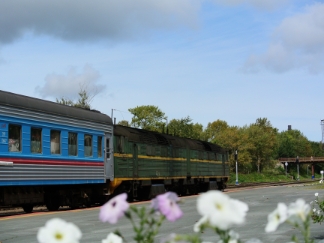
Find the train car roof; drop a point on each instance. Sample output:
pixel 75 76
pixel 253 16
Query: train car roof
pixel 44 106
pixel 149 137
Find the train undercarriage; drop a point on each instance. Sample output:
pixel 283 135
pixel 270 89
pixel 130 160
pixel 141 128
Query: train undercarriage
pixel 148 189
pixel 77 196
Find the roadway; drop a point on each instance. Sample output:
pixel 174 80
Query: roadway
pixel 23 228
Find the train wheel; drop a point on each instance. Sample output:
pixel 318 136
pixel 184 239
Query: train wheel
pixel 144 193
pixel 52 203
pixel 52 206
pixel 28 208
pixel 74 202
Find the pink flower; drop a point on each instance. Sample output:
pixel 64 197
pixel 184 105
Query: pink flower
pixel 167 204
pixel 114 209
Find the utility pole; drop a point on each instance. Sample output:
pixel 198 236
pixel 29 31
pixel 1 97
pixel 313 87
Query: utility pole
pixel 236 182
pixel 297 161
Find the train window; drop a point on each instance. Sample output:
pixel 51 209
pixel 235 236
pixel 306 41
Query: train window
pixel 99 141
pixel 73 144
pixel 87 145
pixel 36 140
pixel 55 142
pixel 107 148
pixel 14 138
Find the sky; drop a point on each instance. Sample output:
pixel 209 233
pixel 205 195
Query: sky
pixel 232 60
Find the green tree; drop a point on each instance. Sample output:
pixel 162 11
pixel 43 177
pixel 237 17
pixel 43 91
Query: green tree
pixel 293 143
pixel 236 138
pixel 197 131
pixel 185 128
pixel 214 130
pixel 148 117
pixel 84 99
pixel 317 149
pixel 263 140
pixel 124 123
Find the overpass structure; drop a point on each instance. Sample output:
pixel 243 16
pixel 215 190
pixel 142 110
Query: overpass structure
pixel 303 160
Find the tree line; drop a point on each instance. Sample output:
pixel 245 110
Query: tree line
pixel 259 144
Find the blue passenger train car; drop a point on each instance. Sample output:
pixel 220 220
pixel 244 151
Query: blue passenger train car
pixel 52 154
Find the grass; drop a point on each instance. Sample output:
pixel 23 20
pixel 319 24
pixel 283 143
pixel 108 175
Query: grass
pixel 269 176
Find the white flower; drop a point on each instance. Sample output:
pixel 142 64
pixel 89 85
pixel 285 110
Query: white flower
pixel 321 181
pixel 218 210
pixel 277 217
pixel 240 209
pixel 112 238
pixel 202 220
pixel 314 210
pixel 316 194
pixel 298 209
pixel 59 231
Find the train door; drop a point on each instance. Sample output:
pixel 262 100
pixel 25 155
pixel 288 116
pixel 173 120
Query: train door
pixel 135 160
pixel 109 157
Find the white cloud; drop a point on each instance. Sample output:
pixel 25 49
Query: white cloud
pixel 261 4
pixel 82 20
pixel 304 31
pixel 298 42
pixel 67 86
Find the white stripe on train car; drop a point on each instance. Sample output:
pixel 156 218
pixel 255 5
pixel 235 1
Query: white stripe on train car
pixel 6 163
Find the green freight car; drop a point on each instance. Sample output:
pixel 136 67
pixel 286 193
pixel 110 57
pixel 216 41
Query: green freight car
pixel 148 163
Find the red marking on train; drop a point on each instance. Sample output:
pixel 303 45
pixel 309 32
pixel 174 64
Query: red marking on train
pixel 52 162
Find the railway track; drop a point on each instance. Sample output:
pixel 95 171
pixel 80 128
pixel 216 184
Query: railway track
pixel 5 212
pixel 267 184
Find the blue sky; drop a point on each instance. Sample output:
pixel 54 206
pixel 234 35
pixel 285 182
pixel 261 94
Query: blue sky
pixel 233 60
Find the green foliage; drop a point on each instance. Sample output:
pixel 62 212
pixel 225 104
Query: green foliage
pixel 124 123
pixel 263 140
pixel 318 210
pixel 293 143
pixel 64 101
pixel 257 144
pixel 214 130
pixel 83 100
pixel 185 128
pixel 317 149
pixel 259 177
pixel 149 223
pixel 148 117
